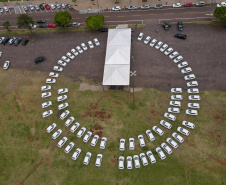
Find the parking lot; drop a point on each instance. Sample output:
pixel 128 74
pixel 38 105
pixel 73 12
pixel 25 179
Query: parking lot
pixel 154 69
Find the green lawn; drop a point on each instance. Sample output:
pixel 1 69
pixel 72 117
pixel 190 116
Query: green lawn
pixel 28 155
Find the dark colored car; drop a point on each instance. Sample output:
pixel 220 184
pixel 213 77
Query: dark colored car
pixel 40 59
pixel 42 25
pixel 158 6
pixel 188 4
pixel 103 30
pixel 180 36
pixel 180 26
pixel 17 41
pixel 25 41
pixel 41 7
pixel 4 42
pixel 69 6
pixel 166 26
pixel 41 21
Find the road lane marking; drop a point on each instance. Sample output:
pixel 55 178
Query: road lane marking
pixel 136 15
pixel 168 13
pixel 152 14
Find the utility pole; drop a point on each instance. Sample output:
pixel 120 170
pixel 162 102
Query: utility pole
pixel 133 74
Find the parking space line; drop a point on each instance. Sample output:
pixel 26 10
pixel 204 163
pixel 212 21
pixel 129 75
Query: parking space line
pixel 152 14
pixel 168 13
pixel 120 16
pixel 136 15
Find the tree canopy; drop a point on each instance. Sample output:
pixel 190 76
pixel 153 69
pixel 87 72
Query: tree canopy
pixel 62 19
pixel 220 13
pixel 25 21
pixel 95 21
pixel 6 25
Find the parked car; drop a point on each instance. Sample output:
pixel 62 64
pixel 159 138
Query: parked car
pixel 122 144
pixel 69 121
pixel 87 158
pixel 180 26
pixel 143 159
pixel 79 49
pixel 55 75
pixel 182 64
pixel 57 68
pixel 165 124
pixel 69 55
pixel 180 36
pixel 51 25
pixel 166 26
pixel 74 52
pixel 136 161
pixel 64 114
pixel 144 7
pixel 176 90
pixel 160 153
pixel 188 4
pixel 121 163
pixel 194 97
pixel 40 59
pixel 172 142
pixel 17 41
pixel 200 3
pixel 42 25
pixel 168 51
pixel 183 131
pixel 177 5
pixel 63 5
pixel 94 140
pixel 131 144
pixel 5 41
pixel 148 38
pixel 0 54
pixel 47 7
pixel 1 39
pixel 150 135
pixel 221 4
pixel 157 130
pixel 76 154
pixel 188 124
pixel 173 55
pixel 151 157
pixel 61 98
pixel 103 30
pixel 178 137
pixel 69 147
pixel 52 6
pixel 46 94
pixel 60 62
pixel 87 136
pixel 166 148
pixel 57 134
pixel 25 41
pixel 84 47
pixel 141 140
pixel 46 104
pixel 81 132
pixel 37 7
pixel 62 91
pixel 170 116
pixel 74 127
pixel 103 142
pixel 158 6
pixel 176 97
pixel 41 7
pixel 76 24
pixel 50 81
pixel 175 103
pixel 63 106
pixel 11 41
pixel 153 42
pixel 192 112
pixel 91 46
pixel 25 8
pixel 178 59
pixel 158 45
pixel 96 42
pixel 31 7
pixel 193 91
pixel 51 128
pixel 6 65
pixel 129 161
pixel 99 160
pixel 69 6
pixel 132 7
pixel 164 47
pixel 174 110
pixel 189 77
pixel 140 36
pixel 45 87
pixel 116 8
pixel 47 113
pixel 186 70
pixel 192 84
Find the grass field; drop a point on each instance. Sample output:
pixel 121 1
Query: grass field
pixel 28 155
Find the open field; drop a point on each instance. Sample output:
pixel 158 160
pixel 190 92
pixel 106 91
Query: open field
pixel 29 156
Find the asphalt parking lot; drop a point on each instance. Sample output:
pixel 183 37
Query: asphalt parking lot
pixel 204 50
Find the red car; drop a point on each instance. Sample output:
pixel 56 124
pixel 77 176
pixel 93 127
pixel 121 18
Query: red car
pixel 188 4
pixel 47 7
pixel 51 25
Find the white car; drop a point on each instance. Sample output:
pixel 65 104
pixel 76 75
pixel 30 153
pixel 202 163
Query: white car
pixel 131 144
pixel 174 110
pixel 132 7
pixel 94 140
pixel 151 157
pixel 79 49
pixel 74 127
pixel 157 130
pixel 66 59
pixel 158 45
pixel 1 39
pixel 188 124
pixel 170 116
pixel 45 87
pixel 69 121
pixel 74 52
pixel 61 98
pixel 136 161
pixel 166 148
pixel 148 38
pixel 165 124
pixel 160 153
pixel 178 137
pixel 176 97
pixel 57 68
pixel 51 127
pixel 176 90
pixel 193 91
pixel 183 131
pixel 182 64
pixel 186 70
pixel 178 59
pixel 63 5
pixel 194 105
pixel 177 5
pixel 57 134
pixel 46 94
pixel 140 36
pixel 122 144
pixel 141 140
pixel 144 7
pixel 164 47
pixel 84 47
pixel 6 64
pixel 221 4
pixel 63 106
pixel 87 158
pixel 171 142
pixel 50 81
pixel 189 77
pixel 54 75
pixel 175 103
pixel 62 91
pixel 143 159
pixel 168 51
pixel 46 104
pixel 153 42
pixel 192 84
pixel 96 42
pixel 90 44
pixel 129 161
pixel 76 154
pixel 64 114
pixel 121 163
pixel 69 147
pixel 87 136
pixel 69 55
pixel 173 55
pixel 116 8
pixel 1 51
pixel 52 6
pixel 192 112
pixel 6 8
pixel 47 113
pixel 194 97
pixel 81 132
pixel 99 160
pixel 150 135
pixel 62 63
pixel 103 142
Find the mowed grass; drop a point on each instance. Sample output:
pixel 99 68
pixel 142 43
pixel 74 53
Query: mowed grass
pixel 28 154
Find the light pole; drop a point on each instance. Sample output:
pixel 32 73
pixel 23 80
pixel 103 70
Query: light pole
pixel 133 74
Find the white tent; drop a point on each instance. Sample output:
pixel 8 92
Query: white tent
pixel 117 59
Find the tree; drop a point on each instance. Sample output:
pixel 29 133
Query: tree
pixel 62 19
pixel 6 25
pixel 220 13
pixel 25 21
pixel 95 21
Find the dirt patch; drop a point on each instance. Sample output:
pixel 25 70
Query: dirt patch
pixel 97 130
pixel 217 160
pixel 114 159
pixel 85 87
